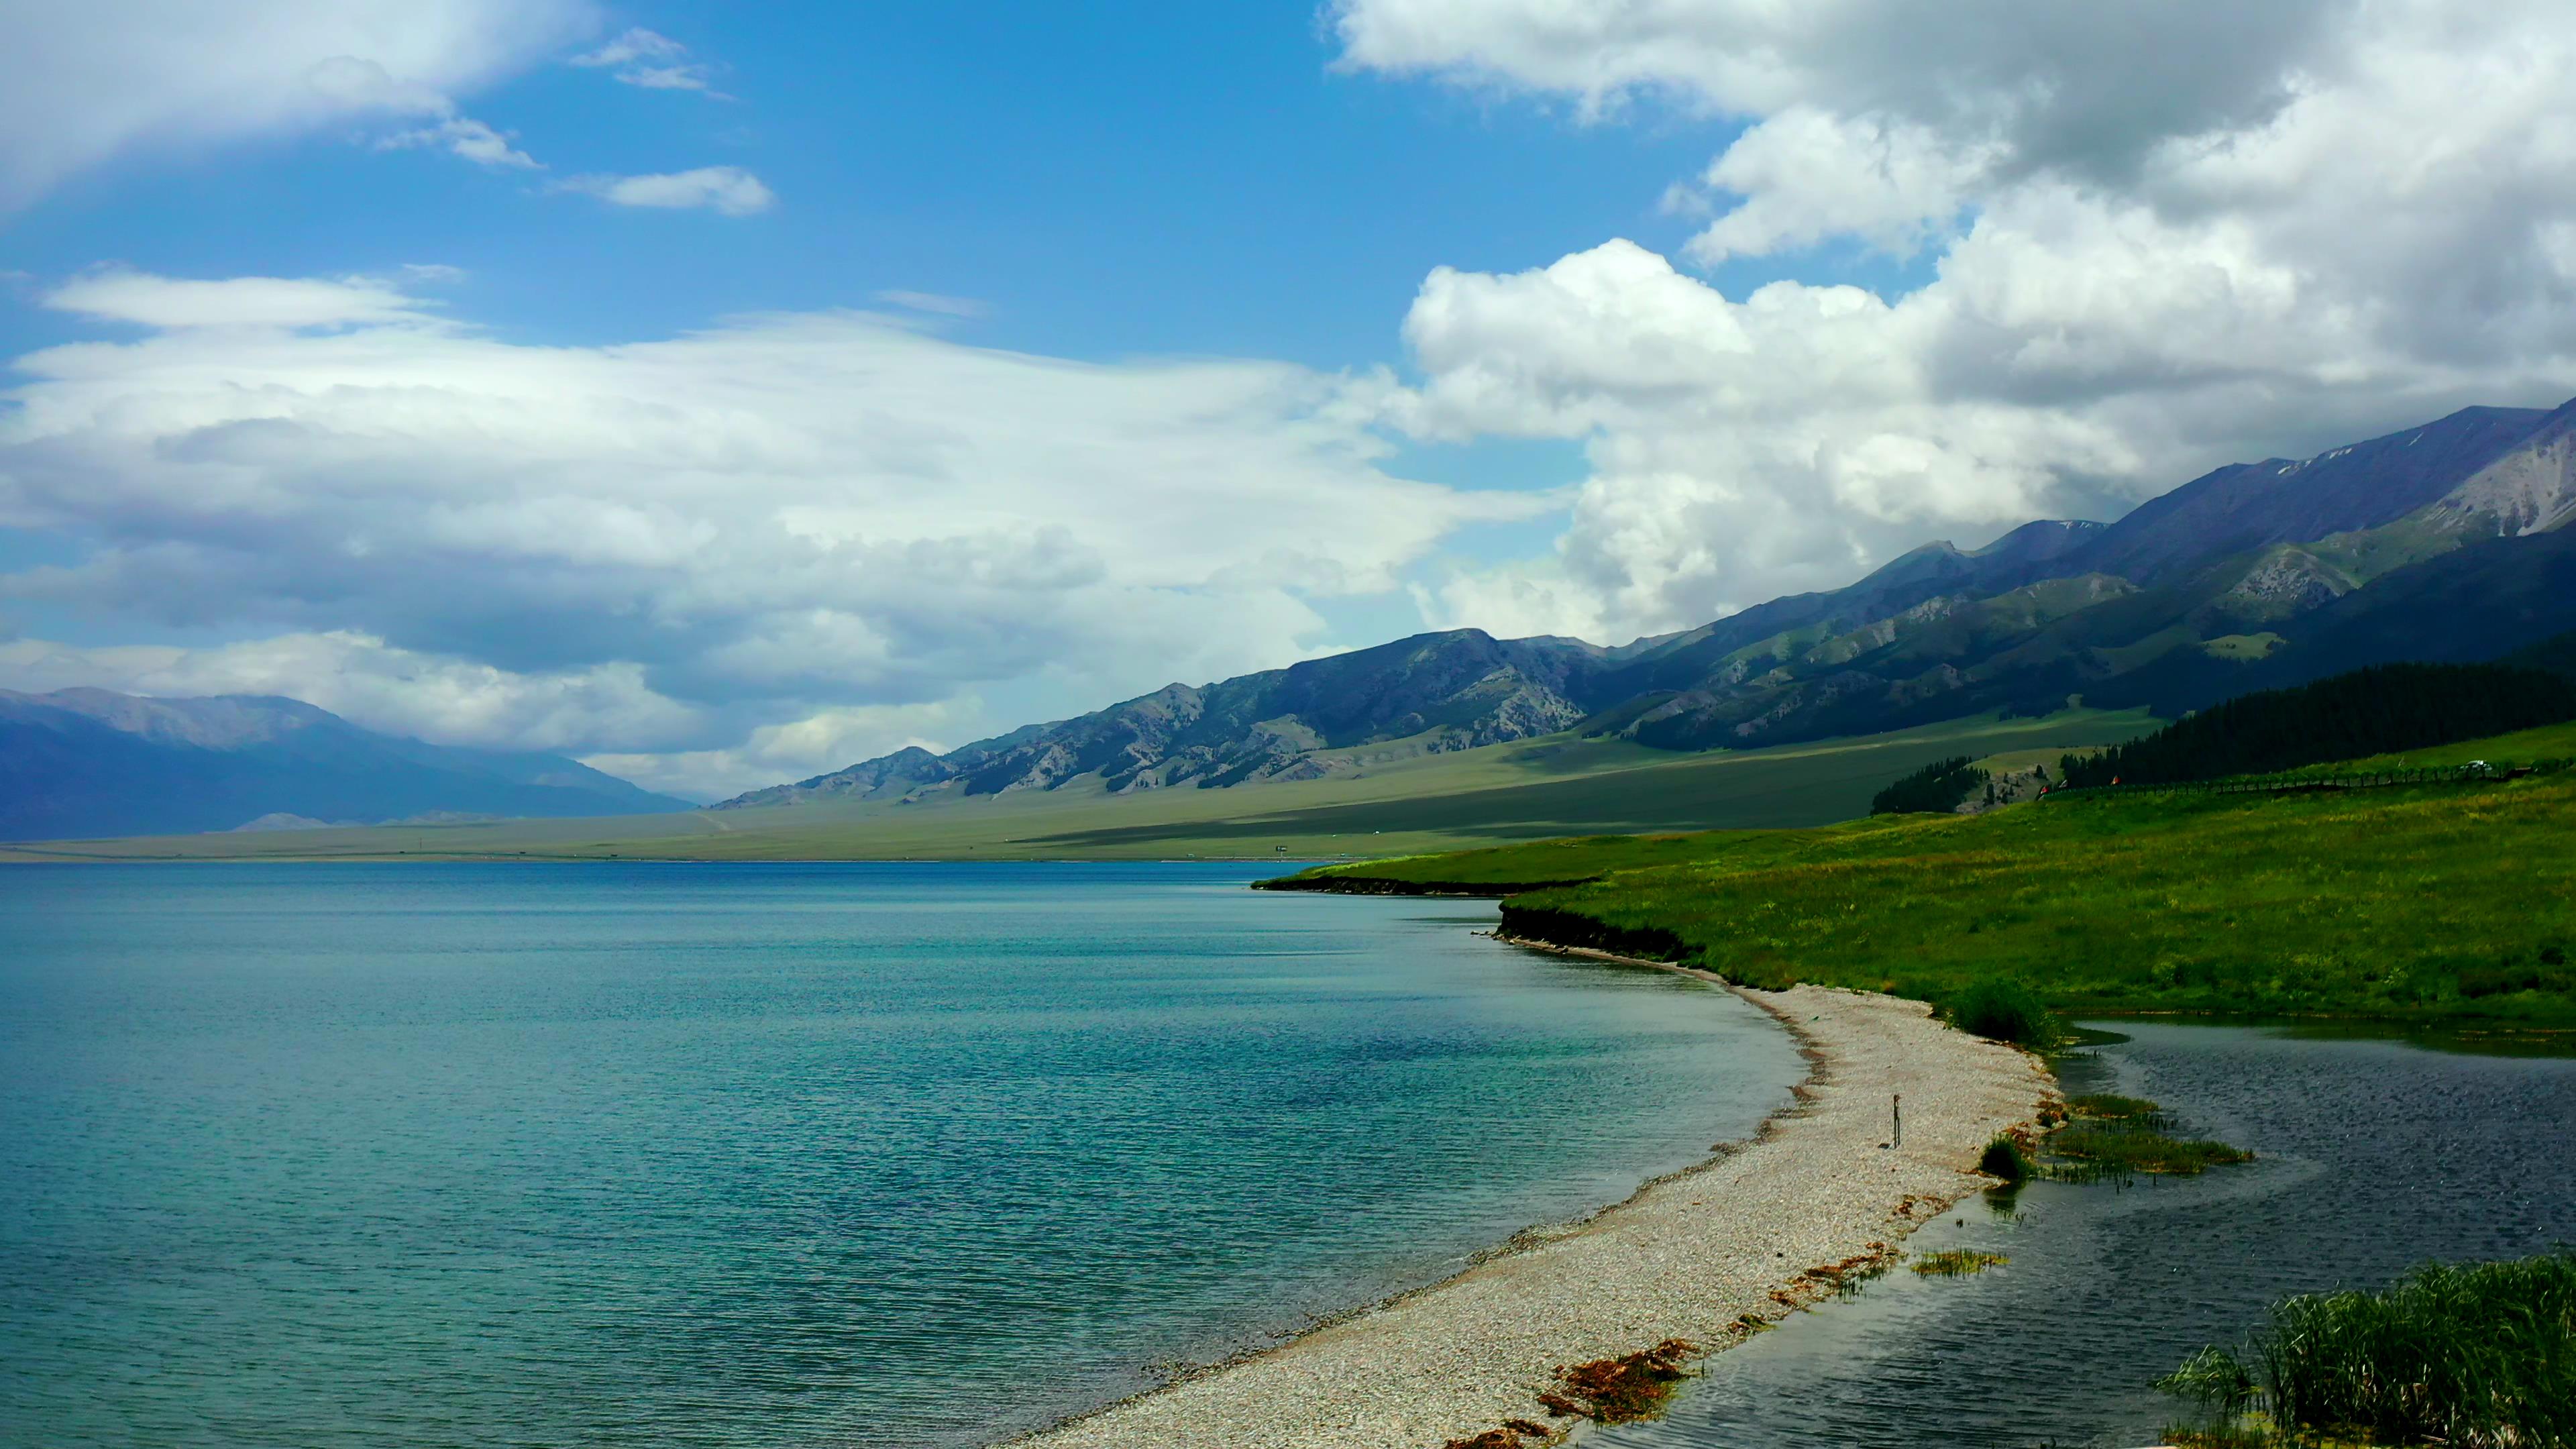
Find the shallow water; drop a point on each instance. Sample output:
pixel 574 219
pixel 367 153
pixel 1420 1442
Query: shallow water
pixel 2374 1156
pixel 767 1155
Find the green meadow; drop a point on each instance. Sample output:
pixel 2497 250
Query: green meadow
pixel 2441 903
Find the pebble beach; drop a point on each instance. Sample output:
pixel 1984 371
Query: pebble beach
pixel 1696 1256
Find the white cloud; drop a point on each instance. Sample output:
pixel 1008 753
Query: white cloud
pixel 945 306
pixel 727 189
pixel 1803 176
pixel 800 749
pixel 632 46
pixel 464 137
pixel 443 699
pixel 652 61
pixel 663 547
pixel 2161 238
pixel 120 294
pixel 81 85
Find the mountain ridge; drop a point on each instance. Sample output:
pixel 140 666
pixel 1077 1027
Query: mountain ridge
pixel 90 763
pixel 2250 576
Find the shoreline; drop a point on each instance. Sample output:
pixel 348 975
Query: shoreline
pixel 1745 1237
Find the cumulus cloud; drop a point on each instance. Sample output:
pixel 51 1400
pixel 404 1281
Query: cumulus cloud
pixel 663 547
pixel 2160 237
pixel 727 189
pixel 81 85
pixel 1804 175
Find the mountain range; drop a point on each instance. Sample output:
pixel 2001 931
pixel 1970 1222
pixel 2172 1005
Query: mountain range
pixel 2450 541
pixel 91 763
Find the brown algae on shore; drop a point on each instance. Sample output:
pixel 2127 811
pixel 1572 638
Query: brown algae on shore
pixel 1515 1434
pixel 1624 1389
pixel 1846 1277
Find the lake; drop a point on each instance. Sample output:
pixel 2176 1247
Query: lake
pixel 2373 1156
pixel 731 1155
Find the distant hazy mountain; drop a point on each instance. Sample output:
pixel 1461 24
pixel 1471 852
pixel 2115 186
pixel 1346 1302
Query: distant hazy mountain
pixel 85 763
pixel 2449 541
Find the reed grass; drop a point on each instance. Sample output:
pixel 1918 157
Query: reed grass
pixel 2481 1356
pixel 1957 1263
pixel 2098 1153
pixel 2111 1107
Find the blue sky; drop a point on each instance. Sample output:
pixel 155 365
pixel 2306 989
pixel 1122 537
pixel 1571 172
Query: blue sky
pixel 1105 179
pixel 724 393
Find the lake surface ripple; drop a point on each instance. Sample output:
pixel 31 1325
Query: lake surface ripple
pixel 767 1155
pixel 2374 1156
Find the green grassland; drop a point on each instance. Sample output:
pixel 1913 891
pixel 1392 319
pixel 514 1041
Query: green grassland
pixel 2439 903
pixel 2549 742
pixel 1398 801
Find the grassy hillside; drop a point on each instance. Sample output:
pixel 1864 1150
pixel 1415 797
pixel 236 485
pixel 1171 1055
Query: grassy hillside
pixel 2369 711
pixel 1399 803
pixel 2437 903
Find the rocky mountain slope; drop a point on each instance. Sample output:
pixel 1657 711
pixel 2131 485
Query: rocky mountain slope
pixel 86 763
pixel 2448 541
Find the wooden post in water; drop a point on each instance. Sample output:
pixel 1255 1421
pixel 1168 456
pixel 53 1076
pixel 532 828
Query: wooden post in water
pixel 1896 1112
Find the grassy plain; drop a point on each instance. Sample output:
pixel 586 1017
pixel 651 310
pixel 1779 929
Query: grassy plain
pixel 2441 903
pixel 1396 803
pixel 2549 742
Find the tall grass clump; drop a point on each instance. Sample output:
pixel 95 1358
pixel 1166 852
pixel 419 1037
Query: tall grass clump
pixel 2117 1152
pixel 2003 1011
pixel 2481 1356
pixel 1957 1263
pixel 2004 1158
pixel 2111 1107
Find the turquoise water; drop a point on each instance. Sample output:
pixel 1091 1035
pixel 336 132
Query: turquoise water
pixel 767 1155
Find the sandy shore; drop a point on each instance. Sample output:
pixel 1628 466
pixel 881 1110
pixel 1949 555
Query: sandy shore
pixel 1687 1257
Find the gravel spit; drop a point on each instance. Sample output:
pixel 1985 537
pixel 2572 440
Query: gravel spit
pixel 1690 1256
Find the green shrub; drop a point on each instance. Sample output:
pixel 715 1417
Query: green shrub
pixel 1936 789
pixel 2476 981
pixel 2003 1011
pixel 2004 1158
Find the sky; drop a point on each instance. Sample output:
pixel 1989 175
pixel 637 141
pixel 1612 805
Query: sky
pixel 726 394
